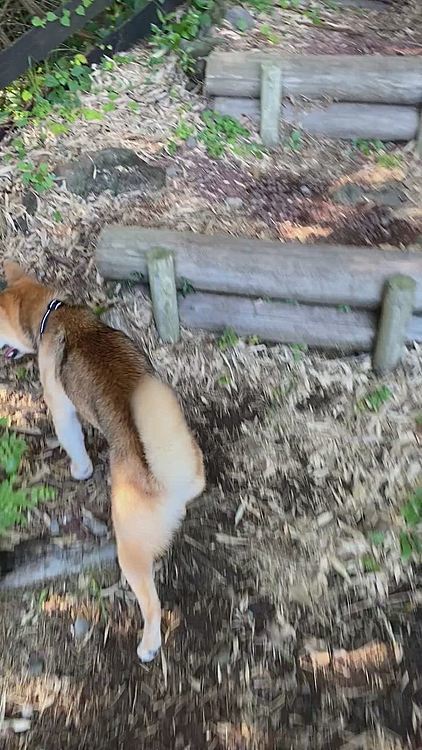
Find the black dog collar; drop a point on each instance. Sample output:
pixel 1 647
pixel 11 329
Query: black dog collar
pixel 53 305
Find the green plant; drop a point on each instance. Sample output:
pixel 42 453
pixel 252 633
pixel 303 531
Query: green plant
pixel 224 380
pixel 228 339
pixel 262 6
pixel 12 449
pixel 181 133
pixel 220 132
pixel 369 147
pixel 289 4
pixel 377 538
pixel 39 178
pixel 377 398
pixel 176 31
pixel 313 14
pixel 45 90
pixel 410 541
pixel 389 161
pixel 15 500
pixel 186 287
pixel 298 350
pixel 269 34
pixel 295 140
pixel 21 373
pixel 370 564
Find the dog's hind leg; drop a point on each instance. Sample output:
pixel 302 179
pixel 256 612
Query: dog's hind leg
pixel 137 567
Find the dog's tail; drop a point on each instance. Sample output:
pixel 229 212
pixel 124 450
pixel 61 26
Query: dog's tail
pixel 172 454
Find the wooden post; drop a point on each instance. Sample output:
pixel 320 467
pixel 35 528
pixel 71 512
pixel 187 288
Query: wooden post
pixel 163 294
pixel 271 95
pixel 397 308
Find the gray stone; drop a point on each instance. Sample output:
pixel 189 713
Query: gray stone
pixel 240 18
pixel 305 191
pixel 94 525
pixel 173 171
pixel 235 203
pixel 191 142
pixel 198 48
pixel 54 527
pixel 390 194
pixel 30 201
pixel 80 628
pixel 36 664
pixel 119 170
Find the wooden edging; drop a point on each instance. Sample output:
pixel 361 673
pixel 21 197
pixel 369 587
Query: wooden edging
pixel 315 326
pixel 312 274
pixel 38 43
pixel 271 97
pixel 352 78
pixel 385 122
pixel 59 562
pixel 396 313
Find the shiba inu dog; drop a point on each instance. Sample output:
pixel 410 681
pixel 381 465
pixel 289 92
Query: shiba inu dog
pixel 89 369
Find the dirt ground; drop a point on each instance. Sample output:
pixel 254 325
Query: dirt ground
pixel 290 620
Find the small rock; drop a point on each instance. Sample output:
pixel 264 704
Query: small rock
pixel 36 664
pixel 173 171
pixel 27 711
pixel 191 142
pixel 299 594
pixel 119 170
pixel 305 191
pixel 18 726
pixel 240 18
pixel 54 526
pixel 80 628
pixel 198 48
pixel 235 203
pixel 94 525
pixel 51 442
pixel 389 194
pixel 30 201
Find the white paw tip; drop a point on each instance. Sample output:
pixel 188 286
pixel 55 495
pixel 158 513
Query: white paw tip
pixel 81 474
pixel 147 655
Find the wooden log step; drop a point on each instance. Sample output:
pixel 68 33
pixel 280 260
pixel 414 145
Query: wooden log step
pixel 315 326
pixel 385 122
pixel 319 274
pixel 351 78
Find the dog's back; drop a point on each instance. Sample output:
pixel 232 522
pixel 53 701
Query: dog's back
pixel 113 386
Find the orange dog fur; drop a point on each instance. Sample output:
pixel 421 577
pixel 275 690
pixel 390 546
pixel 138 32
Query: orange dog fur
pixel 90 369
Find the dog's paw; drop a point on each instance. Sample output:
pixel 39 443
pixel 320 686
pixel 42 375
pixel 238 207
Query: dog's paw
pixel 149 647
pixel 81 472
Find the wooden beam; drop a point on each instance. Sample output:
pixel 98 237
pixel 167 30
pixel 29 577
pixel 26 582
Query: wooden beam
pixel 385 122
pixel 163 294
pixel 396 312
pixel 58 562
pixel 320 274
pixel 353 78
pixel 271 96
pixel 37 43
pixel 135 28
pixel 316 326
